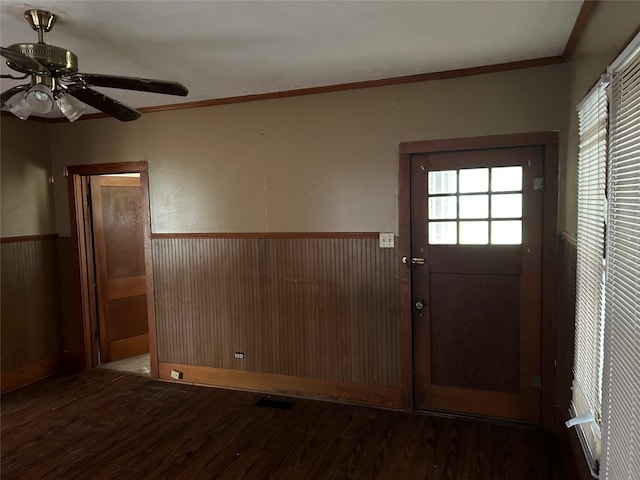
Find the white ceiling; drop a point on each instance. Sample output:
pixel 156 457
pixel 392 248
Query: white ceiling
pixel 230 48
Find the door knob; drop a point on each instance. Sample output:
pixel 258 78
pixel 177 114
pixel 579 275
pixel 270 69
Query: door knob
pixel 420 304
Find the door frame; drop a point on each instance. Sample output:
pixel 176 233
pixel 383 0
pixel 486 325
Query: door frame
pixel 82 257
pixel 550 241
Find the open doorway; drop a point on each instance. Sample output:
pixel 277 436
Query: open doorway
pixel 111 225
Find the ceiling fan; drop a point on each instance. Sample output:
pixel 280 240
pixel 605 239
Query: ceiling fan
pixel 55 80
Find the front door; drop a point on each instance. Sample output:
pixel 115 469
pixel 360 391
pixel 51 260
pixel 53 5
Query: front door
pixel 118 235
pixel 476 222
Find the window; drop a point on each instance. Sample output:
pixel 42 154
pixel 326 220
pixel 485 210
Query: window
pixel 475 206
pixel 587 369
pixel 621 382
pixel 606 389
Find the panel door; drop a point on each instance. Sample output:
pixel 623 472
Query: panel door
pixel 118 234
pixel 476 221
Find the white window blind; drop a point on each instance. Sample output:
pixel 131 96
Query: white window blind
pixel 587 385
pixel 621 399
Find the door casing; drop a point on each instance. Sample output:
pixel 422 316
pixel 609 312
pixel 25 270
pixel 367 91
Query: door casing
pixel 547 140
pixel 82 255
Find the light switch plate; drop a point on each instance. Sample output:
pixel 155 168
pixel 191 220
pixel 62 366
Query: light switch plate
pixel 176 375
pixel 386 240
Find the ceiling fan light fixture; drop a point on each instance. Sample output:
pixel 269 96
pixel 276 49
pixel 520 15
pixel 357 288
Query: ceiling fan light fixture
pixel 19 106
pixel 39 98
pixel 54 73
pixel 69 106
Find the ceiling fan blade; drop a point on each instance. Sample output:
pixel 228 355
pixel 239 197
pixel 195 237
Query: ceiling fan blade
pixel 132 83
pixel 105 104
pixel 7 94
pixel 23 62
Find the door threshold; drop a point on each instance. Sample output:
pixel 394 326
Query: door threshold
pixel 475 418
pixel 138 365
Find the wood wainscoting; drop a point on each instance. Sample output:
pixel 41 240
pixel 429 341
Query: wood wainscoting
pixel 31 342
pixel 73 358
pixel 30 373
pixel 316 311
pixel 339 392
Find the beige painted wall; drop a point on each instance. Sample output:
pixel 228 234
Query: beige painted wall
pixel 320 163
pixel 25 166
pixel 611 25
pixel 325 162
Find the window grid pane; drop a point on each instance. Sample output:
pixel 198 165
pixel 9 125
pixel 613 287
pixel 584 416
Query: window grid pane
pixel 442 182
pixel 473 180
pixel 474 232
pixel 474 206
pixel 443 208
pixel 470 203
pixel 506 179
pixel 506 205
pixel 507 232
pixel 443 233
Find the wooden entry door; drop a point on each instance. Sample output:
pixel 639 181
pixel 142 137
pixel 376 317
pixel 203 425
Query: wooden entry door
pixel 476 220
pixel 118 233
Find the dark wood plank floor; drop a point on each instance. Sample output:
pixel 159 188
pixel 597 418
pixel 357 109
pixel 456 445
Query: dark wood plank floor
pixel 106 425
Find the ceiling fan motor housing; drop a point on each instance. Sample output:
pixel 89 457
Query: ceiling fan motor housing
pixel 58 60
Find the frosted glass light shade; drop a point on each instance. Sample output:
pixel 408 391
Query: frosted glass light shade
pixel 39 98
pixel 70 107
pixel 18 106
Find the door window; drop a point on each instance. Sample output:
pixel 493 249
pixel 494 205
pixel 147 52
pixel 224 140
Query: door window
pixel 475 206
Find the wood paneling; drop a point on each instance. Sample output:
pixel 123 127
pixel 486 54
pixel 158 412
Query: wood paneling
pixel 129 427
pixel 69 304
pixel 475 337
pixel 283 235
pixel 28 238
pixel 30 373
pixel 29 311
pixel 286 385
pixel 315 308
pixel 130 347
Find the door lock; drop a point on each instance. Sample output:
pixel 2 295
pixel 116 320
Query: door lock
pixel 413 261
pixel 420 306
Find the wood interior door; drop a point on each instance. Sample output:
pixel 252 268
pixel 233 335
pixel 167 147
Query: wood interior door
pixel 118 234
pixel 476 220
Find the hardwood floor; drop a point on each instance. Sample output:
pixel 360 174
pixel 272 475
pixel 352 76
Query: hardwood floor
pixel 107 425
